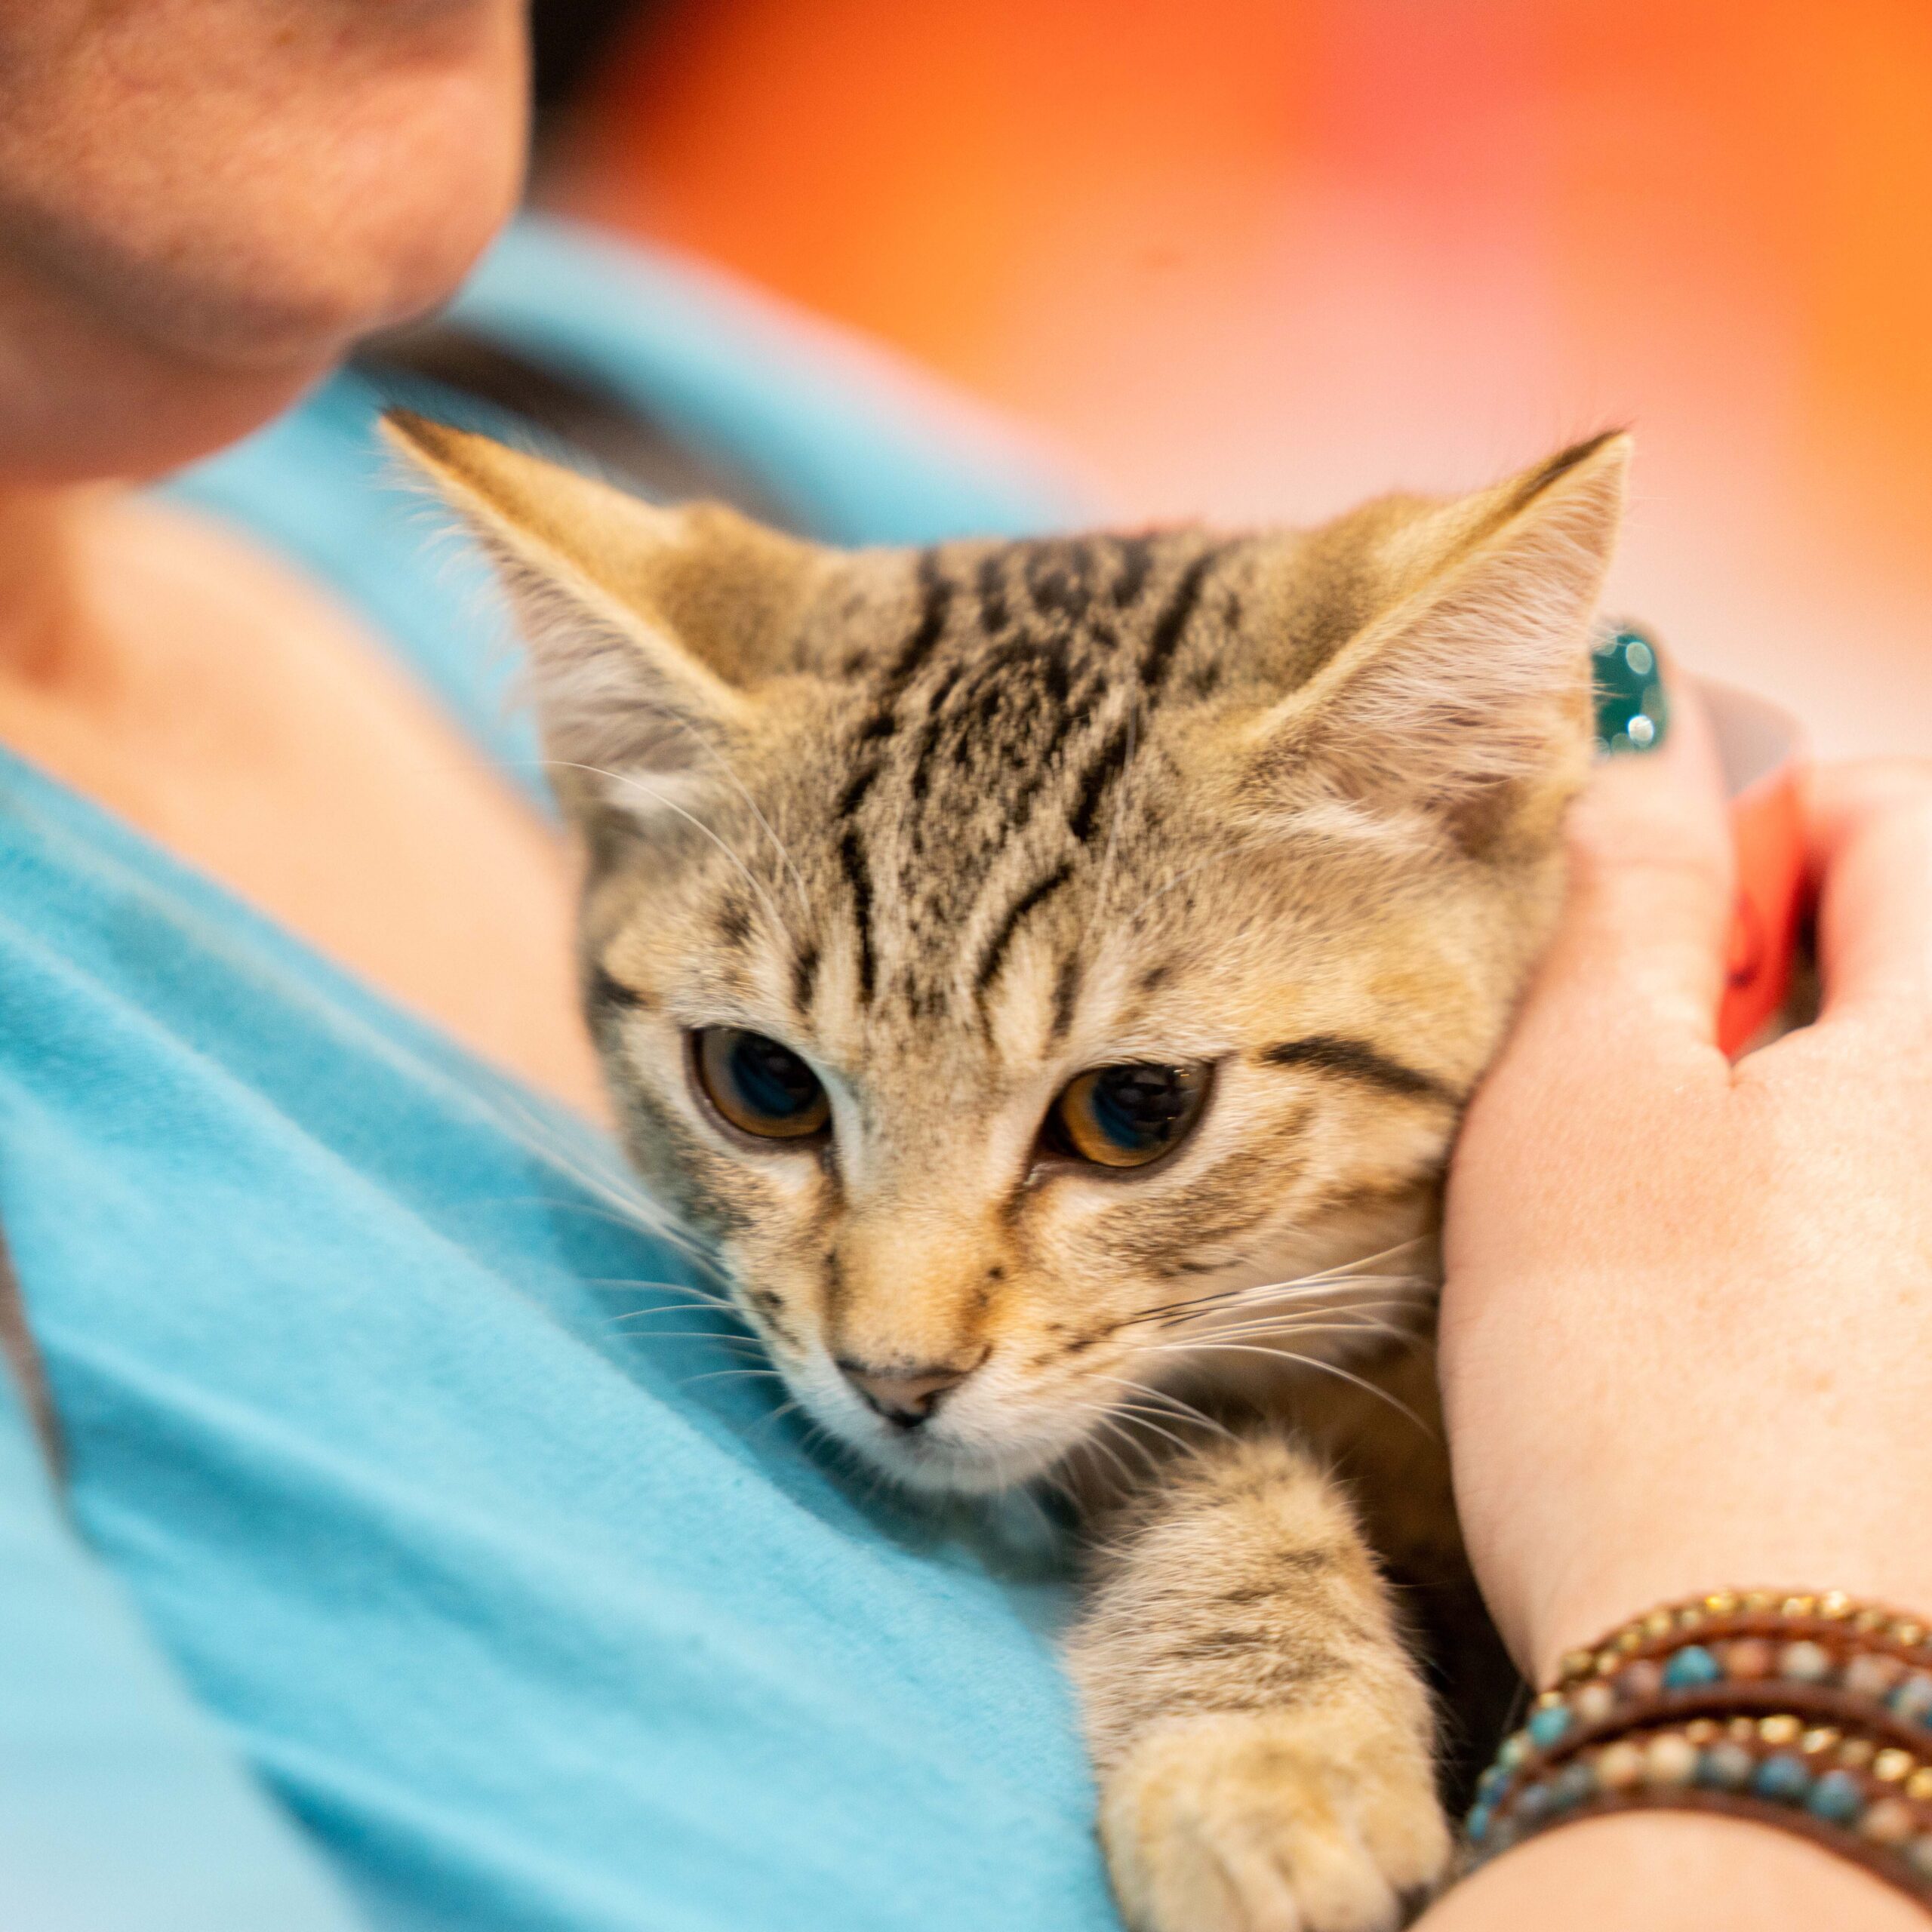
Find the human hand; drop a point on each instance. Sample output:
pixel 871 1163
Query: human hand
pixel 1686 1329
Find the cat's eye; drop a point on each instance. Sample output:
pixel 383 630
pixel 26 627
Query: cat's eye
pixel 759 1086
pixel 1126 1116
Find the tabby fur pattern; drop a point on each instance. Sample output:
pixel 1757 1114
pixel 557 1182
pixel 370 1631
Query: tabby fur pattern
pixel 955 824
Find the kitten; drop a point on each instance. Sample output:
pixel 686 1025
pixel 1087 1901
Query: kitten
pixel 1048 975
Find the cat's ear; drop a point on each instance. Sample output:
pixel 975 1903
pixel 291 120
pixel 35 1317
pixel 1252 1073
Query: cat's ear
pixel 1469 686
pixel 649 629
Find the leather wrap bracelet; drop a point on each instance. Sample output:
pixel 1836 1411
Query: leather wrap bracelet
pixel 1809 1712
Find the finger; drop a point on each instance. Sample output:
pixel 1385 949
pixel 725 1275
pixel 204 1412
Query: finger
pixel 1638 959
pixel 1869 825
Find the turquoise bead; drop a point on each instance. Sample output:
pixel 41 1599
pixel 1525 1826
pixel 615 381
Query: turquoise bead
pixel 1477 1823
pixel 1575 1784
pixel 1492 1785
pixel 1632 713
pixel 1783 1778
pixel 1548 1726
pixel 1836 1798
pixel 1690 1669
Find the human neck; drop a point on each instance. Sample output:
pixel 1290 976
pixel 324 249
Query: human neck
pixel 47 642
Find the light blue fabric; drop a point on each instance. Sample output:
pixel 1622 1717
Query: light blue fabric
pixel 526 1615
pixel 861 450
pixel 120 1804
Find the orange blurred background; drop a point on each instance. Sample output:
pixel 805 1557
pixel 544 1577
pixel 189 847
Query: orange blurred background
pixel 1258 258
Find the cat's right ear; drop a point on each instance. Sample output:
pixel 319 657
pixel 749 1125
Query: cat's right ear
pixel 1464 697
pixel 649 629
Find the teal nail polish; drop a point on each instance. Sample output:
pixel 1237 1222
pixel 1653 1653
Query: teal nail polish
pixel 1632 712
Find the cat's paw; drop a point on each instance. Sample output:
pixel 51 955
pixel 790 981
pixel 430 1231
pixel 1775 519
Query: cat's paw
pixel 1252 1822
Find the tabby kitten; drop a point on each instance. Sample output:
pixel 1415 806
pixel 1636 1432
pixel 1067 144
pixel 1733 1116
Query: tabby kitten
pixel 1048 975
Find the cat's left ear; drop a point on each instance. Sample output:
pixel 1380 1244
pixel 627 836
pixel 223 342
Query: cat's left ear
pixel 1470 685
pixel 650 630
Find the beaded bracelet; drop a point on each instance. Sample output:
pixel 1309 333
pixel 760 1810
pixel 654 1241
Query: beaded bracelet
pixel 1814 1712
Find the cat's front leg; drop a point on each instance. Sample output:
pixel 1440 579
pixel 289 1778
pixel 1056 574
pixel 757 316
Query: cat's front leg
pixel 1263 1742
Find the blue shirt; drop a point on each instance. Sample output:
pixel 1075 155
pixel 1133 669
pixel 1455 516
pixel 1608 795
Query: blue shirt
pixel 426 1561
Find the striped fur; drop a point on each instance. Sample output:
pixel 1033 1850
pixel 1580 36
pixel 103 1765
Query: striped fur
pixel 957 824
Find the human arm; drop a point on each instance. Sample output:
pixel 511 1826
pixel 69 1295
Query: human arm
pixel 1687 1329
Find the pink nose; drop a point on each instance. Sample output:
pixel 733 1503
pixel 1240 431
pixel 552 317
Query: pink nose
pixel 904 1397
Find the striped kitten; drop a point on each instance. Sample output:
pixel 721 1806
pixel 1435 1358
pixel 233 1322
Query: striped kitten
pixel 1048 976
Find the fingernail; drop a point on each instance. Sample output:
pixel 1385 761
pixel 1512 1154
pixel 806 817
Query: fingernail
pixel 1632 712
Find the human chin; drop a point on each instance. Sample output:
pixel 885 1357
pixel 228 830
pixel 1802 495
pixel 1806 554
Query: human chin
pixel 281 181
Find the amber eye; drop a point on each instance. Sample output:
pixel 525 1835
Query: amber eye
pixel 760 1087
pixel 1126 1116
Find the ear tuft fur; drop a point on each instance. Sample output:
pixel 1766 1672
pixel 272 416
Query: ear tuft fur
pixel 648 628
pixel 1475 678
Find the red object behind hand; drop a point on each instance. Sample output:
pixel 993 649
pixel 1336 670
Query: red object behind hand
pixel 1759 748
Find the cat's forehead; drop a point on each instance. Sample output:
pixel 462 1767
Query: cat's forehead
pixel 968 777
pixel 889 617
pixel 1152 604
pixel 981 671
pixel 983 694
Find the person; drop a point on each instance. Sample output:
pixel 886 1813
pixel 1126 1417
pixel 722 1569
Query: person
pixel 386 1581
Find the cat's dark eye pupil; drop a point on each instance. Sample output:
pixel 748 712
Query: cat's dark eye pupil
pixel 772 1078
pixel 1138 1106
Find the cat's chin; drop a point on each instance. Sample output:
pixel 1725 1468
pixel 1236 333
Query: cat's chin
pixel 936 1465
pixel 940 1469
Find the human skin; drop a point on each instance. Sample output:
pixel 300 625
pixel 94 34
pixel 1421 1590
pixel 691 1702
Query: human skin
pixel 1686 1329
pixel 202 203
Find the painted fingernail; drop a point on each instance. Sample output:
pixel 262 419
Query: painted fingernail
pixel 1632 712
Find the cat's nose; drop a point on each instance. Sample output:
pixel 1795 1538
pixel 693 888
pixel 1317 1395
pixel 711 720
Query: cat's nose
pixel 905 1397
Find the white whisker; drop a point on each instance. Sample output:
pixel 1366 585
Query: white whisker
pixel 1145 1418
pixel 614 1196
pixel 1335 1297
pixel 1186 1410
pixel 1215 1321
pixel 1272 1294
pixel 1305 1361
pixel 744 1343
pixel 1105 1425
pixel 1342 1270
pixel 689 1299
pixel 1368 1329
pixel 784 1409
pixel 730 770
